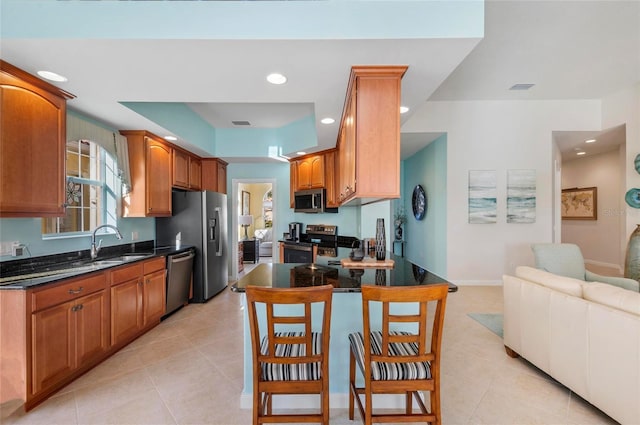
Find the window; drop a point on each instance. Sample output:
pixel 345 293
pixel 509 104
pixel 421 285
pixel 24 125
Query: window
pixel 91 188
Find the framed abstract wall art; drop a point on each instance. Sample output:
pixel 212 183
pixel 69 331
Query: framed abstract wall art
pixel 482 196
pixel 521 196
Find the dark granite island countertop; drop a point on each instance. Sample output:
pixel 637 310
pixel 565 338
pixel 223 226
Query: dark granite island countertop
pixel 327 270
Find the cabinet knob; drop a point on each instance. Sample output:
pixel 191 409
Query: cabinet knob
pixel 75 291
pixel 77 307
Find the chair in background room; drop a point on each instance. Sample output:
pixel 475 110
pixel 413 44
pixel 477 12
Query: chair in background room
pixel 288 360
pixel 395 361
pixel 266 241
pixel 565 259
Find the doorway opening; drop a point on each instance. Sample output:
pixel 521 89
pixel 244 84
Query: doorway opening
pixel 254 217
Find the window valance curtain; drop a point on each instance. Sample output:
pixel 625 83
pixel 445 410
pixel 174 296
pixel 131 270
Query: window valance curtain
pixel 80 128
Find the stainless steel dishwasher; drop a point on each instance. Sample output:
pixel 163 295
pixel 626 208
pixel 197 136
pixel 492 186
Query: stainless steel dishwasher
pixel 179 271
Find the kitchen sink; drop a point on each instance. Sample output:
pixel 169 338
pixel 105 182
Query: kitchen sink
pixel 132 256
pixel 111 262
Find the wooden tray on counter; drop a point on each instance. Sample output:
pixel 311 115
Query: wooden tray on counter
pixel 347 263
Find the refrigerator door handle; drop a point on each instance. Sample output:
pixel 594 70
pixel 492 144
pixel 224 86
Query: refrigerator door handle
pixel 215 231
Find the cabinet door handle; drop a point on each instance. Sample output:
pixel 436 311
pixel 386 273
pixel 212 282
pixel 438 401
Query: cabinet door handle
pixel 75 291
pixel 77 307
pixel 148 280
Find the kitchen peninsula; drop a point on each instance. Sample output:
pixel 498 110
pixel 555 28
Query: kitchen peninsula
pixel 346 309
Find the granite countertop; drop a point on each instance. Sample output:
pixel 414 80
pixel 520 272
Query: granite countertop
pixel 328 270
pixel 37 271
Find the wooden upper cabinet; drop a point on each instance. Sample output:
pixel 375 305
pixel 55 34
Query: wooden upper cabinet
pixel 187 170
pixel 32 145
pixel 214 175
pixel 150 162
pixel 369 142
pixel 293 183
pixel 310 172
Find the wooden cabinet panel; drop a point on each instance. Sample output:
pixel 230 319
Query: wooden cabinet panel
pixel 293 183
pixel 126 311
pixel 32 145
pixel 180 169
pixel 158 179
pixel 69 290
pixel 154 298
pixel 150 163
pixel 195 174
pixel 53 345
pixel 330 179
pixel 92 327
pixel 310 172
pixel 214 175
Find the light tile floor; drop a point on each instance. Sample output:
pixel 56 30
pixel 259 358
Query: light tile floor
pixel 188 370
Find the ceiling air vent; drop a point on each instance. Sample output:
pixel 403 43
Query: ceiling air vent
pixel 240 122
pixel 521 86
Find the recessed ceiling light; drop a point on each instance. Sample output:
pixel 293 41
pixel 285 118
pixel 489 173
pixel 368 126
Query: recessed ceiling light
pixel 590 141
pixel 52 76
pixel 327 120
pixel 404 109
pixel 300 153
pixel 171 138
pixel 276 78
pixel 581 153
pixel 521 86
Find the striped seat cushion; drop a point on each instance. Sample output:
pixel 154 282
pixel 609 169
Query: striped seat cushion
pixel 292 372
pixel 387 371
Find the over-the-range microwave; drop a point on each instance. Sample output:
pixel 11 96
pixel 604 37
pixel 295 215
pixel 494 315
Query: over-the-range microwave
pixel 311 201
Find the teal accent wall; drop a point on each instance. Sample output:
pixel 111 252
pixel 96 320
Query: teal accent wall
pixel 426 240
pixel 179 119
pixel 243 20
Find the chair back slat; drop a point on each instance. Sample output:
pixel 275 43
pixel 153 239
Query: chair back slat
pixel 421 295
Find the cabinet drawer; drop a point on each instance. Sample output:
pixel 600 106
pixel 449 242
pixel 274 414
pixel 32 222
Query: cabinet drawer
pixel 67 291
pixel 126 273
pixel 154 265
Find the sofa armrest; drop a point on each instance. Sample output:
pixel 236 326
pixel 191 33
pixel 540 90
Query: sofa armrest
pixel 621 282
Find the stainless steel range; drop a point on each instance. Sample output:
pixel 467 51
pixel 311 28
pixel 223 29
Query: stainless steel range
pixel 326 236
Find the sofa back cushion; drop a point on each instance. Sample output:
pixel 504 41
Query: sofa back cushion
pixel 613 296
pixel 563 284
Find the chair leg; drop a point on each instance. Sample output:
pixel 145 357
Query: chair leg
pixel 352 382
pixel 257 405
pixel 325 401
pixel 435 404
pixel 409 402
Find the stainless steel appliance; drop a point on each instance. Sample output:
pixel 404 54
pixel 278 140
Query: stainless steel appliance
pixel 311 201
pixel 179 271
pixel 295 231
pixel 325 236
pixel 199 219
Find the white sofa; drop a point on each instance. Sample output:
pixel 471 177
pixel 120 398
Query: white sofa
pixel 266 241
pixel 586 335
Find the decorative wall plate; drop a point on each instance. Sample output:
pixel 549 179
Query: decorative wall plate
pixel 633 198
pixel 419 202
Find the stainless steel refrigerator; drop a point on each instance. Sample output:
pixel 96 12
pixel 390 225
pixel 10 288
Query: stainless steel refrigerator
pixel 199 219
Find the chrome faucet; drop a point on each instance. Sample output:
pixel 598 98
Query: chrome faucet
pixel 96 248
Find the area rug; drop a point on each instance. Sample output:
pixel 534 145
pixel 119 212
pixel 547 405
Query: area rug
pixel 491 321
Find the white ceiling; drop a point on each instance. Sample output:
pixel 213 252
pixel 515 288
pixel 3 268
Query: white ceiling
pixel 568 49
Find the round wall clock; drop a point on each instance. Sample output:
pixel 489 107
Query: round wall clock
pixel 419 202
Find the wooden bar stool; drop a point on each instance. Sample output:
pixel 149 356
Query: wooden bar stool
pixel 289 360
pixel 397 361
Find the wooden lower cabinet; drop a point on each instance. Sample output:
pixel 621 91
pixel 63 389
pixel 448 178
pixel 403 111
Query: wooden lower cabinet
pixel 52 334
pixel 66 337
pixel 138 299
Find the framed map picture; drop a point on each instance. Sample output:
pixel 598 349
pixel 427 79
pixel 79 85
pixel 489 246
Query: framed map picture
pixel 580 203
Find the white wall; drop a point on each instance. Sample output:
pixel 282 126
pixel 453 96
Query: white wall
pixel 498 135
pixel 623 107
pixel 599 240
